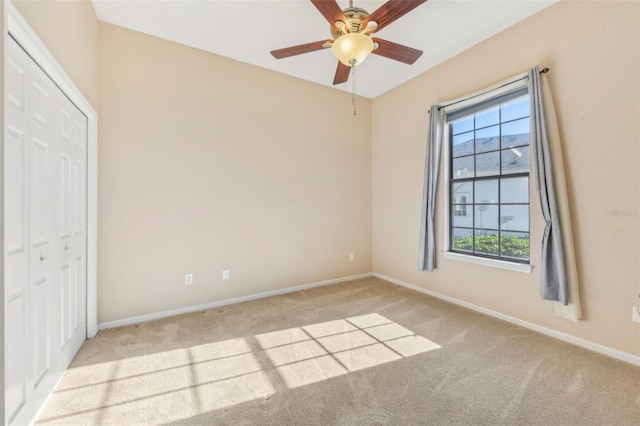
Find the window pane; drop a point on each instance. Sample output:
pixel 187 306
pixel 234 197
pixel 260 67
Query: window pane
pixel 488 164
pixel 514 190
pixel 487 242
pixel 462 239
pixel 463 144
pixel 517 108
pixel 488 117
pixel 487 191
pixel 462 167
pixel 462 125
pixel 515 133
pixel 515 160
pixel 462 193
pixel 488 139
pixel 462 215
pixel 515 245
pixel 514 217
pixel 486 216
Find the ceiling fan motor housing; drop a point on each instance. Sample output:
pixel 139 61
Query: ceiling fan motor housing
pixel 355 15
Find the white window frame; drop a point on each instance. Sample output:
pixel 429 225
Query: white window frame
pixel 453 106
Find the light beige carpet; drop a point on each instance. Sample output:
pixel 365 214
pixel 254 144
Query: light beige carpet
pixel 357 353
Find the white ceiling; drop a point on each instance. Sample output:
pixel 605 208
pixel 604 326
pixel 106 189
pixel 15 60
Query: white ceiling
pixel 247 30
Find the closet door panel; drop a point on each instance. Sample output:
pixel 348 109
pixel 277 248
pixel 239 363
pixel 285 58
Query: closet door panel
pixel 64 136
pixel 80 329
pixel 17 195
pixel 41 336
pixel 44 177
pixel 16 283
pixel 79 206
pixel 72 237
pixel 41 103
pixel 16 357
pixel 45 219
pixel 40 194
pixel 16 151
pixel 17 271
pixel 65 301
pixel 65 196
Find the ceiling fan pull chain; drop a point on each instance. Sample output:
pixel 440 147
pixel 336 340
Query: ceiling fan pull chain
pixel 353 84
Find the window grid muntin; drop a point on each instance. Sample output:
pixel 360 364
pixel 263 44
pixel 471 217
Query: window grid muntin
pixel 499 177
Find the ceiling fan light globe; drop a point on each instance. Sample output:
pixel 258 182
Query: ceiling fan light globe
pixel 352 47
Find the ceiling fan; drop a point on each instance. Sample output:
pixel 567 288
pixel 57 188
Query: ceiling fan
pixel 351 29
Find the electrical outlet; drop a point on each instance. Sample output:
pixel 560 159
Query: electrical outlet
pixel 188 279
pixel 635 315
pixel 225 274
pixel 352 257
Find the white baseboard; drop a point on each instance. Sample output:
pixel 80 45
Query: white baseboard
pixel 596 347
pixel 189 309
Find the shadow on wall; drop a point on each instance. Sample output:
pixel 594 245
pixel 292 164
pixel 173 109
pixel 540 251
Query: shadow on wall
pixel 178 384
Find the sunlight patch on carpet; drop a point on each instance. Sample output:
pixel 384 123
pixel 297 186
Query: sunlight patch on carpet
pixel 282 337
pixel 184 382
pixel 412 345
pixel 328 328
pixel 346 341
pixel 294 352
pixel 389 332
pixel 317 352
pixel 179 383
pixel 370 320
pixel 366 357
pixel 311 371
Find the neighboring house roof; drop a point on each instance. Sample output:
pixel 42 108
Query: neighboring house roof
pixel 514 153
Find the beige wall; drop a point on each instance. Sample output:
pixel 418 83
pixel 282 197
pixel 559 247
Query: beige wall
pixel 593 50
pixel 69 29
pixel 207 163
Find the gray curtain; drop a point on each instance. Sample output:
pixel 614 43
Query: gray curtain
pixel 432 168
pixel 553 275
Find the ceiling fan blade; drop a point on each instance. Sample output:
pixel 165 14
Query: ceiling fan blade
pixel 298 50
pixel 395 51
pixel 330 10
pixel 390 11
pixel 342 73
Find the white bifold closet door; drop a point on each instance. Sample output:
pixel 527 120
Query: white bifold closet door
pixel 45 234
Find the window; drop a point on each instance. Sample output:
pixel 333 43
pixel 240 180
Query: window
pixel 489 178
pixel 460 206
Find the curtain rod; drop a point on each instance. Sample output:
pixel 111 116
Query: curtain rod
pixel 542 71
